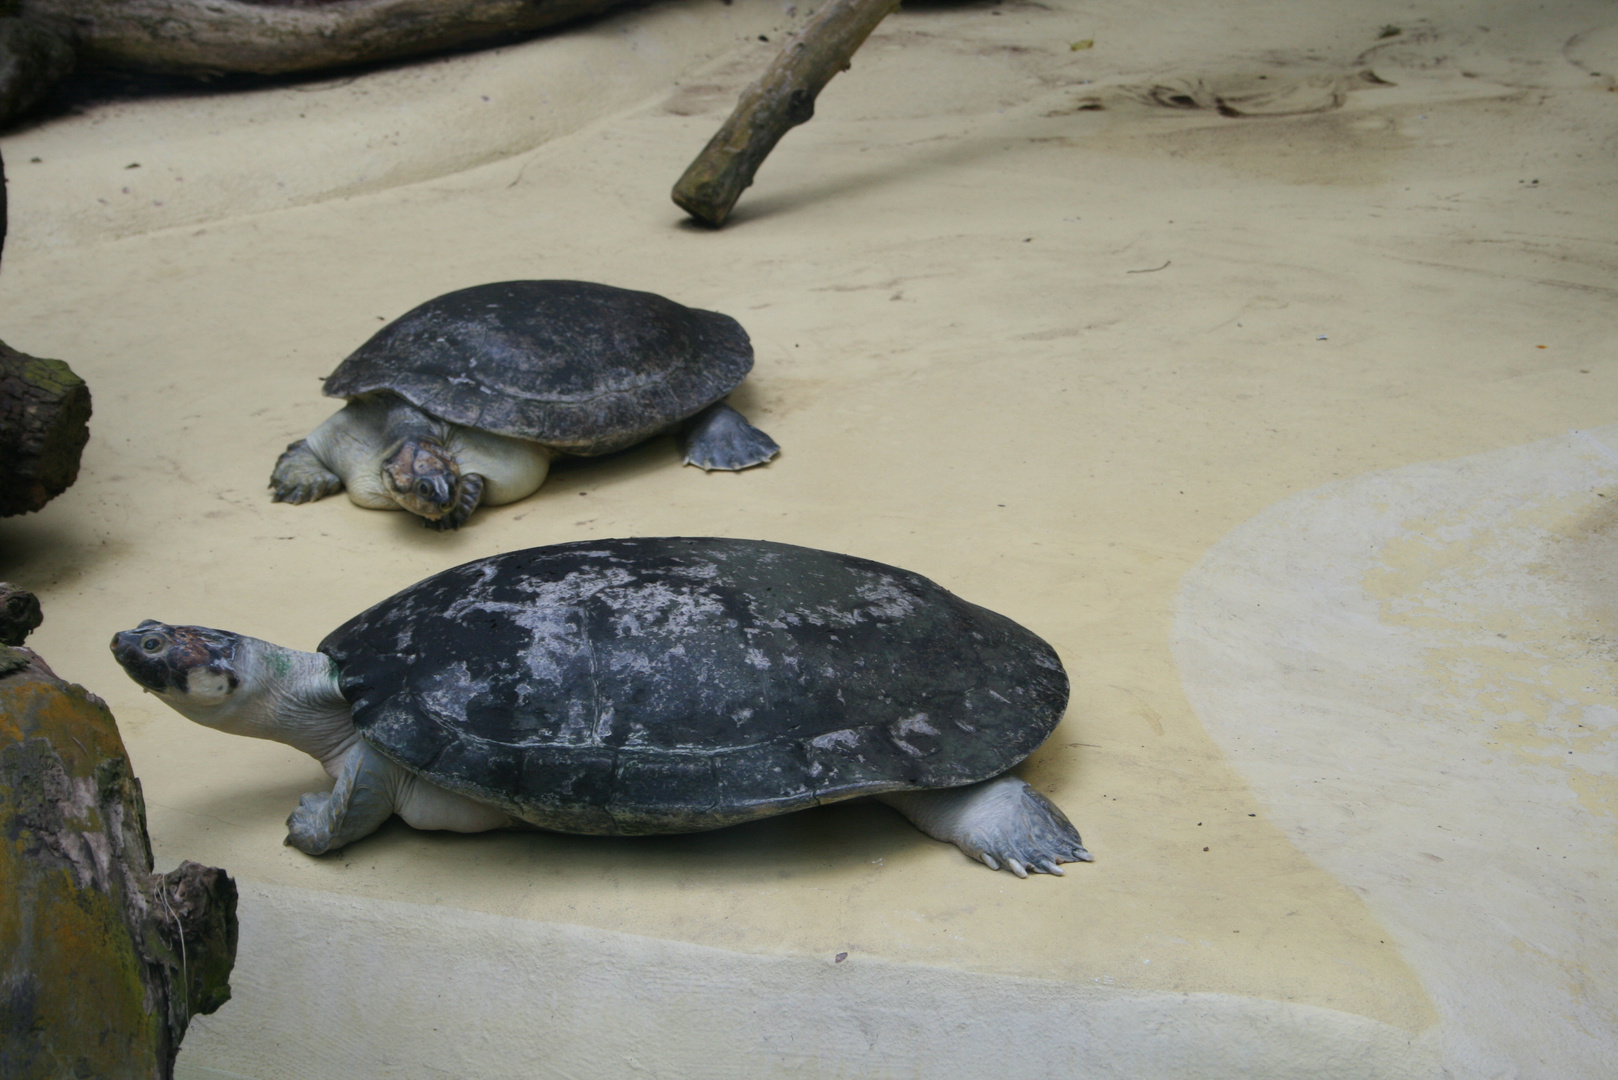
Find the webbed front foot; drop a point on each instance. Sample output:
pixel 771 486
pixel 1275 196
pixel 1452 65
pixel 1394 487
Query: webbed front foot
pixel 468 493
pixel 301 477
pixel 309 826
pixel 721 438
pixel 1000 822
pixel 356 806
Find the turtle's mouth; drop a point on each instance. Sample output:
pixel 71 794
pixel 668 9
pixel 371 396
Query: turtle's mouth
pixel 143 654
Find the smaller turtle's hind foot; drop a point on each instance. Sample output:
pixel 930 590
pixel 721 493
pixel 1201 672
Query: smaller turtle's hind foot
pixel 721 438
pixel 301 477
pixel 468 493
pixel 1000 822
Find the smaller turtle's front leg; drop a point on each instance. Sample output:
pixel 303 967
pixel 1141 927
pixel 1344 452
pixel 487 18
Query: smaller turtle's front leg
pixel 468 493
pixel 719 437
pixel 1000 822
pixel 357 806
pixel 301 477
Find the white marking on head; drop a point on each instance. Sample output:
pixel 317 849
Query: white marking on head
pixel 207 687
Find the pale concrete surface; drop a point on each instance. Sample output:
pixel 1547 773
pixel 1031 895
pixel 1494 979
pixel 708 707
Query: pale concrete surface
pixel 1415 670
pixel 1045 352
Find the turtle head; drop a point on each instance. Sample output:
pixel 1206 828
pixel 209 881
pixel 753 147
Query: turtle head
pixel 196 670
pixel 421 476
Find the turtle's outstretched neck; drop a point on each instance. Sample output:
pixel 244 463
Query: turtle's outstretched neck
pixel 298 703
pixel 244 686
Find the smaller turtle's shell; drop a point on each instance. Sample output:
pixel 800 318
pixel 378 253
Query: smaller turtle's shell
pixel 581 367
pixel 671 685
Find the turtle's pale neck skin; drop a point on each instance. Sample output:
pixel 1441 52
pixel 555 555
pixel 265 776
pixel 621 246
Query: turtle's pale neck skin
pixel 282 694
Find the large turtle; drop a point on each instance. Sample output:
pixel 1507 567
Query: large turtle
pixel 468 398
pixel 646 686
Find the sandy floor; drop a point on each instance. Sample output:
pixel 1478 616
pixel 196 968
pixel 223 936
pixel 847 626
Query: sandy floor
pixel 1086 334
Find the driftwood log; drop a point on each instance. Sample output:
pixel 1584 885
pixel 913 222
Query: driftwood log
pixel 44 420
pixel 277 37
pixel 44 424
pixel 782 98
pixel 32 60
pixel 19 614
pixel 102 962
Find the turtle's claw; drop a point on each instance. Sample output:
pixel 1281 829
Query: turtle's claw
pixel 1003 823
pixel 468 493
pixel 300 477
pixel 307 827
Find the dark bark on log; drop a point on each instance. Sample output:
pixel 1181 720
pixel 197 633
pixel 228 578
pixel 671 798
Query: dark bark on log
pixel 19 614
pixel 206 37
pixel 782 98
pixel 44 424
pixel 102 962
pixel 32 60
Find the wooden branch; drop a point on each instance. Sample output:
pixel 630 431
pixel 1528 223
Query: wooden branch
pixel 32 60
pixel 19 614
pixel 782 98
pixel 202 37
pixel 44 424
pixel 103 962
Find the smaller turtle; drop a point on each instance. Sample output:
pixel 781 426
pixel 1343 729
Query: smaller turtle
pixel 467 399
pixel 643 686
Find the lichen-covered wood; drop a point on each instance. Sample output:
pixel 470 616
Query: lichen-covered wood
pixel 273 37
pixel 102 962
pixel 782 98
pixel 44 425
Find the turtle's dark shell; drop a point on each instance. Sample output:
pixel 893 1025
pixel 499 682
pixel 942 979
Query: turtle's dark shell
pixel 580 367
pixel 672 685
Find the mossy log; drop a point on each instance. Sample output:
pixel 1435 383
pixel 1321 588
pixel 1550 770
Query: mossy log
pixel 102 962
pixel 278 37
pixel 781 99
pixel 44 424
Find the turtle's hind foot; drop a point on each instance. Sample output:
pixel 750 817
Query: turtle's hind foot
pixel 721 438
pixel 1000 822
pixel 301 477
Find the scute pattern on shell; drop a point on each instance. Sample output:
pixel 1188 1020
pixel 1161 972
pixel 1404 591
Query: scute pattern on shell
pixel 669 685
pixel 581 367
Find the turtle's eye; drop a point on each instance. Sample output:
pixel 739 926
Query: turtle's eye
pixel 424 488
pixel 152 644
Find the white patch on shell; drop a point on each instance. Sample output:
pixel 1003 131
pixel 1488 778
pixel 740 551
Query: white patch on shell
pixel 452 689
pixel 207 687
pixel 911 725
pixel 833 739
pixel 887 599
pixel 757 658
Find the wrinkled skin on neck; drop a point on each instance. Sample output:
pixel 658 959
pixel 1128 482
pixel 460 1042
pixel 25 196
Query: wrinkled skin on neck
pixel 241 685
pixel 422 477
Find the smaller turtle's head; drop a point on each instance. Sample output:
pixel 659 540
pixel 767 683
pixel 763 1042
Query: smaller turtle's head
pixel 422 477
pixel 197 671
